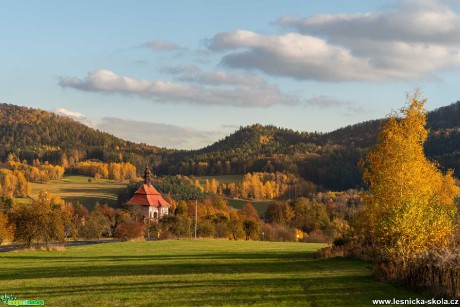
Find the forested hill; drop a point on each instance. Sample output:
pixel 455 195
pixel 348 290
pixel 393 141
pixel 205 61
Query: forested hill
pixel 364 134
pixel 328 159
pixel 32 134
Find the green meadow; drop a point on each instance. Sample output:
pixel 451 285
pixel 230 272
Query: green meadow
pixel 82 189
pixel 222 179
pixel 260 205
pixel 86 190
pixel 191 273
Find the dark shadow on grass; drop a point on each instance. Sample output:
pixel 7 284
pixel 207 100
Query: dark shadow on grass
pixel 340 291
pixel 229 255
pixel 89 267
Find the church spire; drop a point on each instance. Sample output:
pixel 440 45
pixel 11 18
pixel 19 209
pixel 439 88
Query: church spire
pixel 147 176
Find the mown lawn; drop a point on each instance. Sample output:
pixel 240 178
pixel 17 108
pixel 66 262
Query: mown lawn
pixel 191 273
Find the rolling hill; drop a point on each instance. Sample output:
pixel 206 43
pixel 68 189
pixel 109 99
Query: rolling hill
pixel 327 159
pixel 37 134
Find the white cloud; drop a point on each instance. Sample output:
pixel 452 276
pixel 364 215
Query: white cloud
pixel 191 73
pixel 158 134
pixel 65 112
pixel 325 102
pixel 294 55
pixel 106 81
pixel 76 116
pixel 329 102
pixel 223 78
pixel 180 70
pixel 413 40
pixel 410 21
pixel 162 46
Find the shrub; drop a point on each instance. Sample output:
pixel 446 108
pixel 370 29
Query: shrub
pixel 128 230
pixel 316 236
pixel 438 271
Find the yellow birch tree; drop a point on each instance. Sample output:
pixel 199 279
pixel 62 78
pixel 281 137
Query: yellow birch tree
pixel 410 204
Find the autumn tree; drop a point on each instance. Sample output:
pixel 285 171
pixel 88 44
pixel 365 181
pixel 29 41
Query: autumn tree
pixel 280 213
pixel 42 221
pixel 235 226
pixel 13 183
pixel 250 220
pixel 79 215
pixel 409 207
pixel 96 225
pixel 127 228
pixel 6 229
pixel 310 215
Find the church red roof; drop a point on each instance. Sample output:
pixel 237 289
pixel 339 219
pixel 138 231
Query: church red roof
pixel 147 195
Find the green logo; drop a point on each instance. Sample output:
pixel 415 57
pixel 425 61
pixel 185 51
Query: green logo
pixel 10 300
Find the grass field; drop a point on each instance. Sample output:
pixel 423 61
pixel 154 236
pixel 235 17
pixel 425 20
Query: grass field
pixel 190 273
pixel 222 179
pixel 260 205
pixel 77 188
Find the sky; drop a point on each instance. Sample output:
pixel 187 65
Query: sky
pixel 184 74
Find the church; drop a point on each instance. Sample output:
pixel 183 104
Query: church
pixel 152 204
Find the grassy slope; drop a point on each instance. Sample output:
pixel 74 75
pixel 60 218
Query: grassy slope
pixel 77 188
pixel 260 205
pixel 222 179
pixel 189 273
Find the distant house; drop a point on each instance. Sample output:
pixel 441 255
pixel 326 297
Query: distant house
pixel 151 202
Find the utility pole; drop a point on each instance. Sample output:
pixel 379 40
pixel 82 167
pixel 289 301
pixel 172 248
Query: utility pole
pixel 196 214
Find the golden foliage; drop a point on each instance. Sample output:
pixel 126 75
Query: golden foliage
pixel 266 185
pixel 43 220
pixel 114 171
pixel 13 183
pixel 6 229
pixel 409 208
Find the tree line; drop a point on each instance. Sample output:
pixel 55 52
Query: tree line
pixel 99 170
pixel 320 218
pixel 259 186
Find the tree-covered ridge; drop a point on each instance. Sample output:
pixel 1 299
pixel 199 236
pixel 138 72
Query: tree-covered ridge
pixel 326 159
pixel 27 127
pixel 37 134
pixel 329 159
pixel 258 138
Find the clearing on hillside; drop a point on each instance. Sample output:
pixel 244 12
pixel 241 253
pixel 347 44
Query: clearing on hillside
pixel 187 273
pixel 81 188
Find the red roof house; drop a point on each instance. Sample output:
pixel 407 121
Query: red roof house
pixel 152 204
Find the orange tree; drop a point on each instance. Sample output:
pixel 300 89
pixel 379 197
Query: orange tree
pixel 409 207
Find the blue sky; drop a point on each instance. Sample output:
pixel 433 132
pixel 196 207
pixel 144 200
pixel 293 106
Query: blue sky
pixel 183 74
